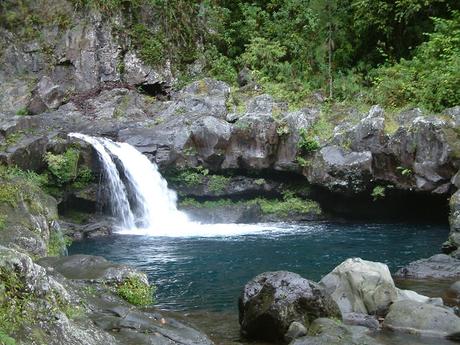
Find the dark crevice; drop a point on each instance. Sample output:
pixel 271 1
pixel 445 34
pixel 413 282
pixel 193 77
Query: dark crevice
pixel 160 91
pixel 395 206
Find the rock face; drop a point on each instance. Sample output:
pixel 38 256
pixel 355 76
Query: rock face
pixel 439 266
pixel 71 300
pixel 424 319
pixel 88 277
pixel 364 287
pixel 272 301
pixel 48 305
pixel 453 242
pixel 29 216
pixel 340 171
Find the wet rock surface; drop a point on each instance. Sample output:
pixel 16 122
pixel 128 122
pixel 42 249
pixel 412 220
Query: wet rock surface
pixel 439 266
pixel 325 331
pixel 423 319
pixel 272 301
pixel 73 300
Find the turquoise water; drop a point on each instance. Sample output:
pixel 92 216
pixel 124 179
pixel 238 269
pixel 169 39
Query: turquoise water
pixel 208 273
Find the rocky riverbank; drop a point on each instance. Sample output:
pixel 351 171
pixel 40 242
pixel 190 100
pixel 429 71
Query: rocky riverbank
pixel 232 154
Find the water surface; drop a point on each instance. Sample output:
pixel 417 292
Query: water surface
pixel 207 272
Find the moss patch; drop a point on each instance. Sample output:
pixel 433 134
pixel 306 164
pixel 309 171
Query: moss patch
pixel 218 183
pixel 134 291
pixel 289 205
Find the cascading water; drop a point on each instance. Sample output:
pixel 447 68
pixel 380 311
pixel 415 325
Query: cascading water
pixel 141 200
pixel 118 196
pixel 153 205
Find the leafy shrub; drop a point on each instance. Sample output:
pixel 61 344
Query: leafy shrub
pixel 431 78
pixel 64 167
pixel 306 142
pixel 288 205
pixel 23 112
pixel 150 44
pixel 217 183
pixel 57 244
pixel 65 170
pixel 6 340
pixel 378 193
pixel 134 291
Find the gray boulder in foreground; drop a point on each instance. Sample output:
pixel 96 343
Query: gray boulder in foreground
pixel 365 287
pixel 423 319
pixel 272 301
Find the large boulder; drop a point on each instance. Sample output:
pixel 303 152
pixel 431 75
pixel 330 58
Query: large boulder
pixel 272 301
pixel 365 287
pixel 423 319
pixel 438 266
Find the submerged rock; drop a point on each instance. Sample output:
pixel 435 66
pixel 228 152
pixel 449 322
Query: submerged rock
pixel 272 301
pixel 325 331
pixel 93 268
pixel 423 319
pixel 452 294
pixel 438 266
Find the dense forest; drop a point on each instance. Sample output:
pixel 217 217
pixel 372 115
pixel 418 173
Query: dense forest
pixel 395 53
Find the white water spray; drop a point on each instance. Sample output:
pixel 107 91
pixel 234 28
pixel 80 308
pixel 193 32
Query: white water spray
pixel 118 196
pixel 153 205
pixel 143 204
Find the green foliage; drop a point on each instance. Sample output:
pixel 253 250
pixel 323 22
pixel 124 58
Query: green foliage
pixel 149 43
pixel 290 204
pixel 190 177
pixel 2 222
pixel 307 143
pixel 65 170
pixel 378 193
pixel 17 184
pixel 22 111
pixel 217 183
pixel 58 243
pixel 220 67
pixel 64 167
pixel 134 291
pixel 190 202
pixel 6 340
pixel 406 172
pixel 14 302
pixel 431 78
pixel 260 181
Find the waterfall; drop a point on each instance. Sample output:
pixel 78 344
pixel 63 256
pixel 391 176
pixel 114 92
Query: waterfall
pixel 143 201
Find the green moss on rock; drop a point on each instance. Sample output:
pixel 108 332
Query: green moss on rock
pixel 136 292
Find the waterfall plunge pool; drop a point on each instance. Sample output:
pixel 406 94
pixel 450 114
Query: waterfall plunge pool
pixel 207 270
